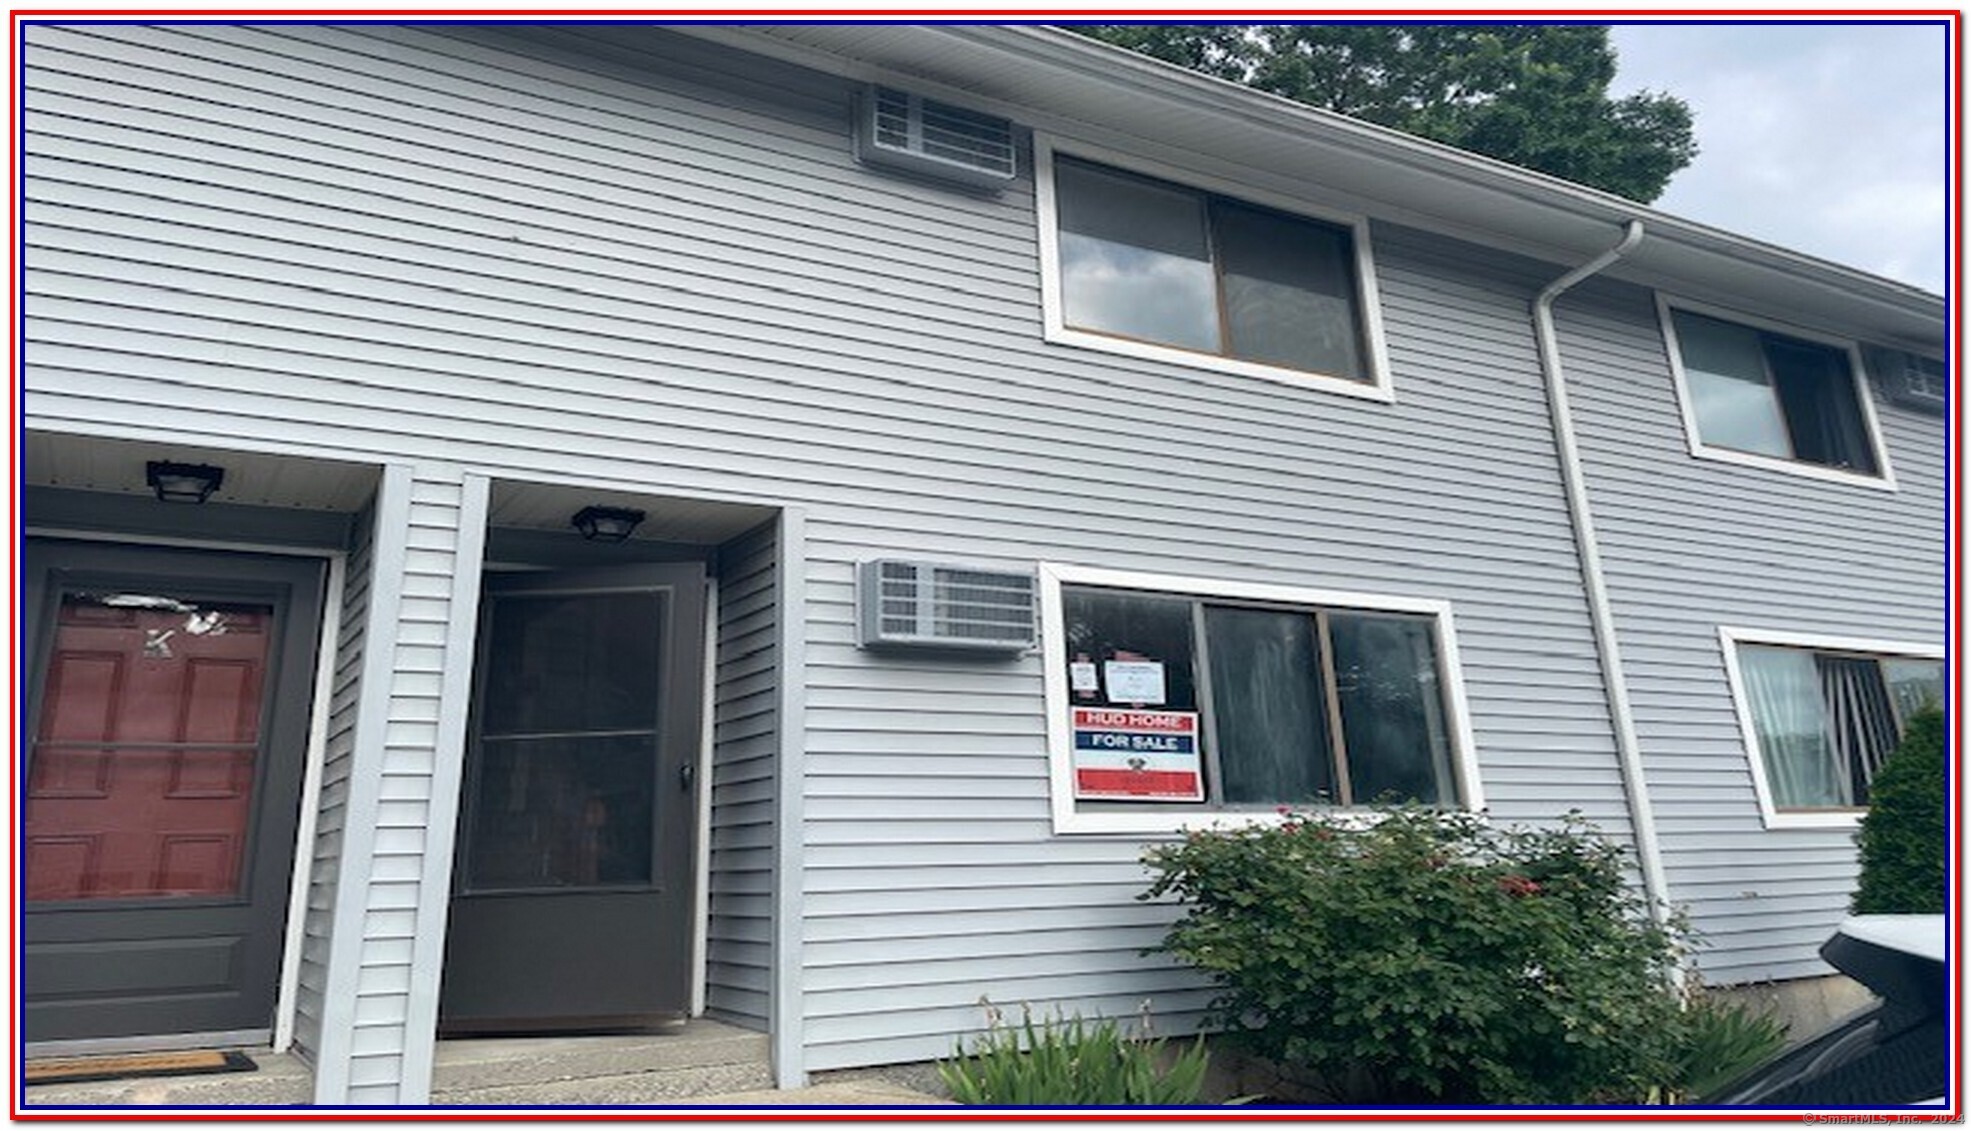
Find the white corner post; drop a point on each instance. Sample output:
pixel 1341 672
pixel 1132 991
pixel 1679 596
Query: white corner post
pixel 786 1009
pixel 468 557
pixel 335 1053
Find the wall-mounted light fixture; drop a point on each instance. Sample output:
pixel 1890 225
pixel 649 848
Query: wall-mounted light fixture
pixel 606 524
pixel 183 482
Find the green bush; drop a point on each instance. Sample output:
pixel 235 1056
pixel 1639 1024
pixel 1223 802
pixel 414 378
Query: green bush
pixel 1072 1063
pixel 1430 957
pixel 1903 838
pixel 1715 1042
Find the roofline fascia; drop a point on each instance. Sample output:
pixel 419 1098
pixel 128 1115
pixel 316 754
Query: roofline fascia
pixel 1054 46
pixel 1262 109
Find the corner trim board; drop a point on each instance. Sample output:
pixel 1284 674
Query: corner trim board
pixel 447 774
pixel 786 1007
pixel 345 944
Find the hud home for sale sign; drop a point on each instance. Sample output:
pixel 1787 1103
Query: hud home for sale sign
pixel 1130 755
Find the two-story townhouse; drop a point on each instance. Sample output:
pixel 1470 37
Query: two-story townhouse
pixel 548 527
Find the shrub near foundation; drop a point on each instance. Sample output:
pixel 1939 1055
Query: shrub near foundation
pixel 1428 957
pixel 1903 838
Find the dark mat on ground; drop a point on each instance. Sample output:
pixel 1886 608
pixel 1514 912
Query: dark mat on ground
pixel 78 1069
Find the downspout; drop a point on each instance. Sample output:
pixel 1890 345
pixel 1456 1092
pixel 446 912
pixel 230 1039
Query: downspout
pixel 1628 751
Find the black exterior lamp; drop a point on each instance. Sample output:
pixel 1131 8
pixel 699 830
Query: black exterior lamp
pixel 606 524
pixel 183 482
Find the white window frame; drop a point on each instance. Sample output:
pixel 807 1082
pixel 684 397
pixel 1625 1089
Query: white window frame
pixel 1176 819
pixel 1376 388
pixel 1885 477
pixel 1729 638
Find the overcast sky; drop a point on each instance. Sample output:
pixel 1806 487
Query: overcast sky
pixel 1824 138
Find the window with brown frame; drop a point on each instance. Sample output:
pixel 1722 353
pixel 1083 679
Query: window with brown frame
pixel 1147 260
pixel 1300 705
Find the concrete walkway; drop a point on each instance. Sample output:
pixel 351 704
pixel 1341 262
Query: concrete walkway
pixel 871 1094
pixel 700 1064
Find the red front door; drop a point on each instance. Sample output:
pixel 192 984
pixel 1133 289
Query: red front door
pixel 169 705
pixel 143 762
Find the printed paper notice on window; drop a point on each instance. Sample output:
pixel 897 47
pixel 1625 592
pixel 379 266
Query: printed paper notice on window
pixel 1134 681
pixel 1082 678
pixel 1122 755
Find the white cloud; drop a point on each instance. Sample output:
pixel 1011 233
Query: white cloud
pixel 1827 138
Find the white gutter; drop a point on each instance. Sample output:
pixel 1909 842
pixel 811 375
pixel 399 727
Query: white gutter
pixel 997 68
pixel 1628 751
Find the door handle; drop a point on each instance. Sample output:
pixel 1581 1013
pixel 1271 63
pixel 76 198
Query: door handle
pixel 687 774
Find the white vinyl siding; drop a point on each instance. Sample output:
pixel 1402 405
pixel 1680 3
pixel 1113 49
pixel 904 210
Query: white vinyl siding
pixel 323 858
pixel 745 739
pixel 1690 545
pixel 610 255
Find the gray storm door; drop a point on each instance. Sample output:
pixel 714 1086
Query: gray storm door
pixel 572 904
pixel 169 698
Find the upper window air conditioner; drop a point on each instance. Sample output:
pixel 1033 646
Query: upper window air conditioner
pixel 904 604
pixel 901 130
pixel 1909 379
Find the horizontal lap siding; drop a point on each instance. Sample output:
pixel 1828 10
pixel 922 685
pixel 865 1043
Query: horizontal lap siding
pixel 325 855
pixel 933 876
pixel 745 746
pixel 1692 544
pixel 399 910
pixel 623 257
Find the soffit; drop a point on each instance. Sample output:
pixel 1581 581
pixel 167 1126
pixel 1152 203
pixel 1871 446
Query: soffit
pixel 1056 81
pixel 551 506
pixel 99 463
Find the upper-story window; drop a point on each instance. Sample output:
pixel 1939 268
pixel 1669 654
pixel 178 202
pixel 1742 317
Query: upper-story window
pixel 1754 394
pixel 1149 267
pixel 1821 715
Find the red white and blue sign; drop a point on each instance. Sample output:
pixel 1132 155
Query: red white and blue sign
pixel 1131 755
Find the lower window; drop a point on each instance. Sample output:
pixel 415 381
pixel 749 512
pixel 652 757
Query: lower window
pixel 1821 718
pixel 1180 698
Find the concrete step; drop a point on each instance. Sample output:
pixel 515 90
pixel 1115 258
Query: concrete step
pixel 695 1059
pixel 281 1080
pixel 698 1058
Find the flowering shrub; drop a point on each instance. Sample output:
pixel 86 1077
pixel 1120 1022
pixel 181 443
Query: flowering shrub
pixel 1431 957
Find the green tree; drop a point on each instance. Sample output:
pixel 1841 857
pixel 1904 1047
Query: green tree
pixel 1903 837
pixel 1535 95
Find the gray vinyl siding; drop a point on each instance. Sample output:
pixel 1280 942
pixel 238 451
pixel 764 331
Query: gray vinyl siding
pixel 325 855
pixel 397 911
pixel 1692 544
pixel 745 740
pixel 613 256
pixel 384 240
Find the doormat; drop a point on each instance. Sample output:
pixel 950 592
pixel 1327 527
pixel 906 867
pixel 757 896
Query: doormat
pixel 79 1069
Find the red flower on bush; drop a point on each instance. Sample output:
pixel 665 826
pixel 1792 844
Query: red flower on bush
pixel 1518 886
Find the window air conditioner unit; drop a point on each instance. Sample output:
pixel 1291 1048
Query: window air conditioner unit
pixel 1910 379
pixel 922 605
pixel 900 130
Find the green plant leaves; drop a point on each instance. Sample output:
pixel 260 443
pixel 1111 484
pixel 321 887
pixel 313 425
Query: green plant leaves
pixel 1423 956
pixel 1073 1063
pixel 1904 839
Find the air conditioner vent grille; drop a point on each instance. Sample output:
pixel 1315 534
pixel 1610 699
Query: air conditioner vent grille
pixel 920 604
pixel 960 135
pixel 1910 379
pixel 892 108
pixel 907 131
